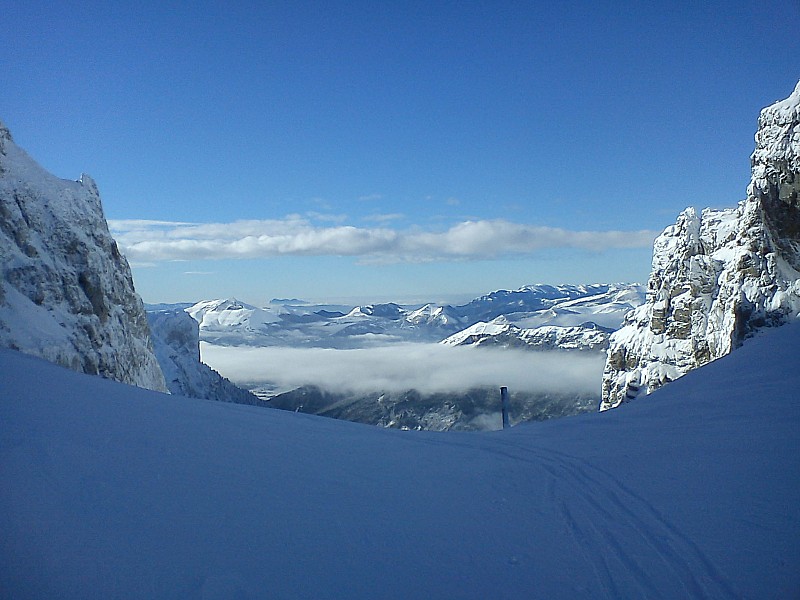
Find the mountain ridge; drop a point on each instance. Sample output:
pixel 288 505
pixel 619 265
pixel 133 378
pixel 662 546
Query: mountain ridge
pixel 232 322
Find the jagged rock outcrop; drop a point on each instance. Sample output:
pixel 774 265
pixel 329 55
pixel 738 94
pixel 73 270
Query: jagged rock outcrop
pixel 66 292
pixel 718 276
pixel 176 337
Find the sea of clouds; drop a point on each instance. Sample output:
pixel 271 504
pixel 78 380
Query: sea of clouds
pixel 428 368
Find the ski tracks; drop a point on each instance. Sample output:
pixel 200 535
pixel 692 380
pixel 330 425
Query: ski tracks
pixel 621 534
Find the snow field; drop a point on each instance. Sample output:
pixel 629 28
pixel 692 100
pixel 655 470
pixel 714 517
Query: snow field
pixel 109 491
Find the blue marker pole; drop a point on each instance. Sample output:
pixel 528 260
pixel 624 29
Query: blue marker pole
pixel 504 404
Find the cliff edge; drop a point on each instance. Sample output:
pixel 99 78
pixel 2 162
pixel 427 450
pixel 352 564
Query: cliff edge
pixel 718 276
pixel 66 292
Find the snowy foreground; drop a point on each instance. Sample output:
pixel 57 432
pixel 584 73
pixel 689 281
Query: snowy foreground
pixel 108 491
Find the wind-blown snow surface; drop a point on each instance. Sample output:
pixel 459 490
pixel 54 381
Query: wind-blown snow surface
pixel 112 491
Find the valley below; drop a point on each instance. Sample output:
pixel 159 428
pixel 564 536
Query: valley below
pixel 421 366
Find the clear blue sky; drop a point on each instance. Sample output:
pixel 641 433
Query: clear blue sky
pixel 393 149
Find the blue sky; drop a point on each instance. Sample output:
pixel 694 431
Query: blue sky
pixel 382 150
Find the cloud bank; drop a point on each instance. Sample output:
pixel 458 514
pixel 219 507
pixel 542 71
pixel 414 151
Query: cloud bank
pixel 427 368
pixel 153 241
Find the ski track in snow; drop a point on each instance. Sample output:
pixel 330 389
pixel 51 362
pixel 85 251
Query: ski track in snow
pixel 606 499
pixel 597 496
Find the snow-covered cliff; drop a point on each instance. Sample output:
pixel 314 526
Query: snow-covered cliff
pixel 720 275
pixel 176 337
pixel 66 292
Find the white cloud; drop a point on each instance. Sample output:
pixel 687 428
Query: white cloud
pixel 424 367
pixel 153 241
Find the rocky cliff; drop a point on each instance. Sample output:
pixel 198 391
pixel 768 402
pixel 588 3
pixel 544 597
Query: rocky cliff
pixel 66 293
pixel 720 275
pixel 176 337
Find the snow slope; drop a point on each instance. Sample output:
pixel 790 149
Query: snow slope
pixel 109 491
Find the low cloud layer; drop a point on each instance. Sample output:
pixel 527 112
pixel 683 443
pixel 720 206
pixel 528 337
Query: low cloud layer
pixel 154 241
pixel 424 367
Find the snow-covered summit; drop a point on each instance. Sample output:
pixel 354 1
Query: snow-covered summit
pixel 230 312
pixel 66 292
pixel 432 314
pixel 777 153
pixel 719 275
pixel 480 330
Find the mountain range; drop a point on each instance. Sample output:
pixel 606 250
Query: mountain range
pixel 540 318
pixel 597 307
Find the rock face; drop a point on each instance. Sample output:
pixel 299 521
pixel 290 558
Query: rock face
pixel 718 276
pixel 176 337
pixel 66 293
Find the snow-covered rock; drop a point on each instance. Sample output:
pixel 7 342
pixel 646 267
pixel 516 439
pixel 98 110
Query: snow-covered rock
pixel 720 275
pixel 66 292
pixel 176 337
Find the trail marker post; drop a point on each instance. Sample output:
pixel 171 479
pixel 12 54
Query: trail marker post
pixel 504 405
